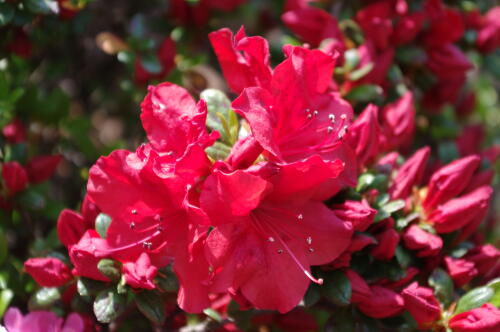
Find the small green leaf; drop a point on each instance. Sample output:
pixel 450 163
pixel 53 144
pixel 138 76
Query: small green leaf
pixel 365 93
pixel 42 6
pixel 213 314
pixel 337 288
pixel 108 305
pixel 152 306
pixel 394 206
pixel 44 298
pixel 361 72
pixel 110 268
pixel 312 295
pixel 474 299
pixel 102 223
pixel 351 59
pixel 6 13
pixel 6 296
pixel 442 284
pixel 495 285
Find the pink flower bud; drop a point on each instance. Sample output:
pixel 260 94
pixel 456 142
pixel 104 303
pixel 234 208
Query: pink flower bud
pixel 409 174
pixel 14 176
pixel 48 272
pixel 483 319
pixel 486 258
pixel 383 303
pixel 360 290
pixel 427 244
pixel 460 270
pixel 387 242
pixel 449 181
pixel 14 132
pixel 421 303
pixel 459 212
pixel 360 214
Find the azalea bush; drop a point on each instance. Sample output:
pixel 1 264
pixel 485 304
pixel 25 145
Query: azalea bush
pixel 244 165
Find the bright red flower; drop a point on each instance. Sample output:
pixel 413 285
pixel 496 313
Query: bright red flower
pixel 48 272
pixel 376 22
pixel 449 181
pixel 398 122
pixel 359 214
pixel 14 132
pixel 422 304
pixel 382 303
pixel 381 63
pixel 446 25
pixel 84 257
pixel 460 270
pixel 361 292
pixel 41 168
pixel 364 135
pixel 14 176
pixel 387 243
pixel 483 319
pixel 447 62
pixel 267 233
pixel 427 244
pixel 488 38
pixel 140 274
pixel 244 60
pixel 407 28
pixel 20 44
pixel 313 25
pixel 486 258
pixel 409 174
pixel 461 211
pixel 298 118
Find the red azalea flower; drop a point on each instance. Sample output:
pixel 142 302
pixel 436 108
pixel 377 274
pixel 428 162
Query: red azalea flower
pixel 41 168
pixel 449 181
pixel 313 25
pixel 48 272
pixel 409 174
pixel 361 292
pixel 407 28
pixel 298 118
pixel 359 214
pixel 83 255
pixel 267 233
pixel 460 270
pixel 447 62
pixel 14 176
pixel 486 259
pixel 376 22
pixel 364 135
pixel 244 60
pixel 382 303
pixel 483 319
pixel 14 132
pixel 461 211
pixel 445 26
pixel 427 244
pixel 422 304
pixel 387 243
pixel 488 38
pixel 140 274
pixel 398 122
pixel 166 56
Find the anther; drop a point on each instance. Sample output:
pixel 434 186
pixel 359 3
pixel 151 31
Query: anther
pixel 134 211
pixel 315 113
pixel 329 129
pixel 300 216
pixel 311 250
pixel 343 116
pixel 309 116
pixel 308 110
pixel 279 251
pixel 132 225
pixel 147 245
pixel 332 118
pixel 270 239
pixel 159 228
pixel 309 240
pixel 158 217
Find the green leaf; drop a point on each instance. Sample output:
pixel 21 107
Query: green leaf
pixel 108 305
pixel 151 63
pixel 6 296
pixel 442 284
pixel 337 288
pixel 361 72
pixel 42 6
pixel 110 268
pixel 31 199
pixel 365 93
pixel 44 298
pixel 88 287
pixel 213 314
pixel 495 285
pixel 474 299
pixel 102 223
pixel 312 295
pixel 152 306
pixel 6 13
pixel 394 206
pixel 351 59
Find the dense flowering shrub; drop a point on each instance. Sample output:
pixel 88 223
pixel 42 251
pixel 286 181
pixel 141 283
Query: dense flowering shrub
pixel 337 176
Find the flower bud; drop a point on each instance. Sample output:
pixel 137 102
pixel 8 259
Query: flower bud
pixel 387 243
pixel 140 274
pixel 14 176
pixel 398 122
pixel 483 319
pixel 70 227
pixel 360 214
pixel 383 303
pixel 449 181
pixel 485 258
pixel 14 132
pixel 459 212
pixel 421 303
pixel 460 270
pixel 409 174
pixel 48 272
pixel 42 167
pixel 364 134
pixel 427 244
pixel 360 289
